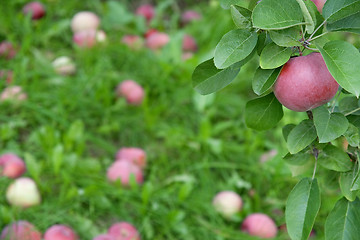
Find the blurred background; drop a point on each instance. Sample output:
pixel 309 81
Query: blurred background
pixel 69 124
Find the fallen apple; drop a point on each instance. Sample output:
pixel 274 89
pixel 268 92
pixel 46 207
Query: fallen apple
pixel 23 192
pixel 11 165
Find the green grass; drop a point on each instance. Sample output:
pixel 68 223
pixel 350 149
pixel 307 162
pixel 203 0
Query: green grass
pixel 70 128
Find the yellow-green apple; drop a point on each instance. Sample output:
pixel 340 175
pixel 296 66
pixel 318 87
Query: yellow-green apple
pixel 23 192
pixel 227 203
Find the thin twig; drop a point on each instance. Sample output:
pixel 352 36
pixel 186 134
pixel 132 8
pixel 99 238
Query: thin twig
pixel 317 29
pixel 355 110
pixel 312 49
pixel 318 36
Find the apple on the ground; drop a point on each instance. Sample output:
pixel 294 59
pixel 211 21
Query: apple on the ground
pixel 7 50
pixel 11 165
pixel 123 170
pixel 13 93
pixel 124 231
pixel 23 192
pixel 36 9
pixel 20 230
pixel 84 20
pixel 227 203
pixel 60 232
pixel 132 154
pixel 131 91
pixel 260 225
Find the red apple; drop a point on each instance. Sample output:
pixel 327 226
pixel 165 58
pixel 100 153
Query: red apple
pixel 305 83
pixel 104 237
pixel 132 154
pixel 227 203
pixel 157 40
pixel 13 93
pixel 189 44
pixel 11 165
pixel 85 20
pixel 6 75
pixel 260 225
pixel 60 232
pixel 123 170
pixel 149 32
pixel 86 38
pixel 123 231
pixel 147 11
pixel 36 9
pixel 131 91
pixel 64 65
pixel 319 4
pixel 7 50
pixel 189 16
pixel 23 192
pixel 20 230
pixel 133 41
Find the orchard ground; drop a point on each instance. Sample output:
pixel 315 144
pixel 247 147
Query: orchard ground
pixel 69 128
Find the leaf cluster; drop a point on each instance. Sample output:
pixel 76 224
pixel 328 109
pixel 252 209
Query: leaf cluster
pixel 277 31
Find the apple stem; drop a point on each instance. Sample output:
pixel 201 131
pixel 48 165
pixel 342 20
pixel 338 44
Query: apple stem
pixel 310 115
pixel 317 29
pixel 316 154
pixel 312 49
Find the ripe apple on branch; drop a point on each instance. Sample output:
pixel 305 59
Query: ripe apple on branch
pixel 304 70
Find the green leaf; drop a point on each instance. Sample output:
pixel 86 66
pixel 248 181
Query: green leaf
pixel 274 14
pixel 286 130
pixel 329 126
pixel 349 24
pixel 287 37
pixel 310 19
pixel 241 17
pixel 343 221
pixel 301 163
pixel 356 178
pixel 343 62
pixel 233 47
pixel 335 10
pixel 334 158
pixel 274 56
pixel 302 206
pixel 227 3
pixel 311 7
pixel 347 105
pixel 264 79
pixel 299 158
pixel 262 39
pixel 301 136
pixel 263 113
pixel 208 79
pixel 355 120
pixel 345 181
pixel 352 135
